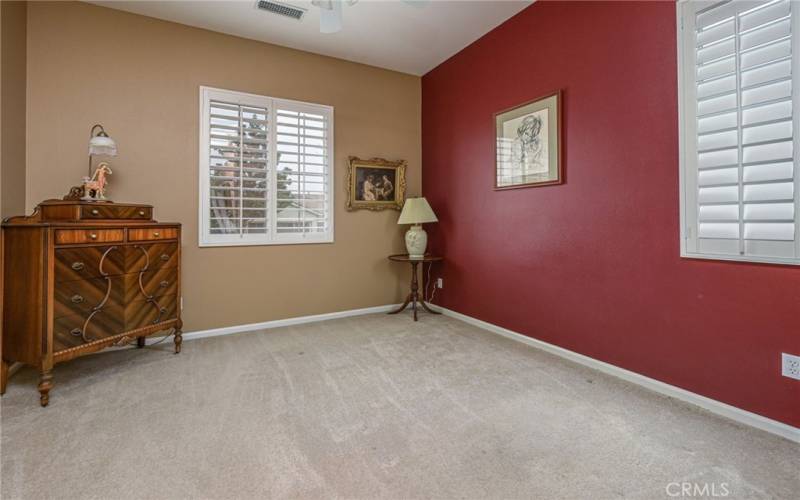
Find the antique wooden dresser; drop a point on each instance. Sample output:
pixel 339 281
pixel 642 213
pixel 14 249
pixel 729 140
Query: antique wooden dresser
pixel 82 276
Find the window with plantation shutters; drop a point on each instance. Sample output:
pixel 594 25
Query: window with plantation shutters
pixel 739 119
pixel 265 170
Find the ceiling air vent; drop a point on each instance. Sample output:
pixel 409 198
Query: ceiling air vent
pixel 281 9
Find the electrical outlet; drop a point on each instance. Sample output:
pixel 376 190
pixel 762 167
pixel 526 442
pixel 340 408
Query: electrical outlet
pixel 790 366
pixel 439 283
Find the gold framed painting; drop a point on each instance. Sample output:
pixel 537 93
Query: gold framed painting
pixel 528 144
pixel 376 184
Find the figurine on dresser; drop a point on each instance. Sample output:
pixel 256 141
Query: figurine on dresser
pixel 94 187
pixel 80 276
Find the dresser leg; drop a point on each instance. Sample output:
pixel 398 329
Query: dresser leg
pixel 140 342
pixel 3 375
pixel 178 336
pixel 45 384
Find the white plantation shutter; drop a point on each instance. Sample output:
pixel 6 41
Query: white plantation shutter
pixel 738 130
pixel 265 170
pixel 303 137
pixel 237 170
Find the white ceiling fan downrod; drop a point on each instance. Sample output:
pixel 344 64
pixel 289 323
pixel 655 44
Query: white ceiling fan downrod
pixel 330 14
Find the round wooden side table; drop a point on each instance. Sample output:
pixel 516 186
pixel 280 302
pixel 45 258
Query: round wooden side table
pixel 413 297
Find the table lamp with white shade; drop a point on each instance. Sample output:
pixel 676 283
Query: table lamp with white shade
pixel 416 211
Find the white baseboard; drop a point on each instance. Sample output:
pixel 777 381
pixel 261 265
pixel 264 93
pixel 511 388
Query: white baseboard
pixel 737 414
pixel 253 327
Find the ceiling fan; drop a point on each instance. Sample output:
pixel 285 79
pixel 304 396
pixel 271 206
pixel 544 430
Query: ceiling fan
pixel 330 12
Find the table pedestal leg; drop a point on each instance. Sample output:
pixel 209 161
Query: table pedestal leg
pixel 402 307
pixel 413 298
pixel 425 306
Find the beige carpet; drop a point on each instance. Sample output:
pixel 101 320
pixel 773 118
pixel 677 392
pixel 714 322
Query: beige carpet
pixel 368 407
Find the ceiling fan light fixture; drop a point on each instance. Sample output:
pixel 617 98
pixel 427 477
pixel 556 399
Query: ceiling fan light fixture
pixel 330 15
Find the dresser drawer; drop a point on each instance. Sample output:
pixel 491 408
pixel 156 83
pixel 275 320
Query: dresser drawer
pixel 76 297
pixel 151 234
pixel 152 255
pixel 141 313
pixel 67 331
pixel 153 283
pixel 84 263
pixel 116 212
pixel 78 236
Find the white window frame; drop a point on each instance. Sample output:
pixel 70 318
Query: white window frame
pixel 687 130
pixel 272 237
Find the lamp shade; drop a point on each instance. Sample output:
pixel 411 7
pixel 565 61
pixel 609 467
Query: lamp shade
pixel 417 211
pixel 102 145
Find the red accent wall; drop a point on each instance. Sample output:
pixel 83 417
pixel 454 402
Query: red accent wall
pixel 594 265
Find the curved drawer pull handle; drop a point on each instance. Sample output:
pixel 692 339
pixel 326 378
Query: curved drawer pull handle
pixel 164 257
pixel 156 234
pixel 78 266
pixel 161 311
pixel 93 236
pixel 76 331
pixel 76 299
pixel 95 211
pixel 164 284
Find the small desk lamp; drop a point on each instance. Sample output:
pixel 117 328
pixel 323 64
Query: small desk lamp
pixel 100 144
pixel 416 211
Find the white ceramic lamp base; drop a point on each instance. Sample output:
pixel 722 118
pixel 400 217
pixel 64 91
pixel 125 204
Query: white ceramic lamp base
pixel 416 241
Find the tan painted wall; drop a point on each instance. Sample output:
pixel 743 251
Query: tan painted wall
pixel 139 77
pixel 12 107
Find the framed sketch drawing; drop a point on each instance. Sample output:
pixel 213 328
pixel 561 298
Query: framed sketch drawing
pixel 376 184
pixel 528 144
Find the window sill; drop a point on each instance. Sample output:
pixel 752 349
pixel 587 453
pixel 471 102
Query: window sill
pixel 741 258
pixel 214 244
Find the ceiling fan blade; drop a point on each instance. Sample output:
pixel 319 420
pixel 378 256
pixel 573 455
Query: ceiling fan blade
pixel 330 16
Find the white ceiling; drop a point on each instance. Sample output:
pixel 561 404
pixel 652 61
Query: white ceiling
pixel 411 37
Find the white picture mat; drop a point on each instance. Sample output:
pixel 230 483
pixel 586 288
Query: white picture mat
pixel 527 144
